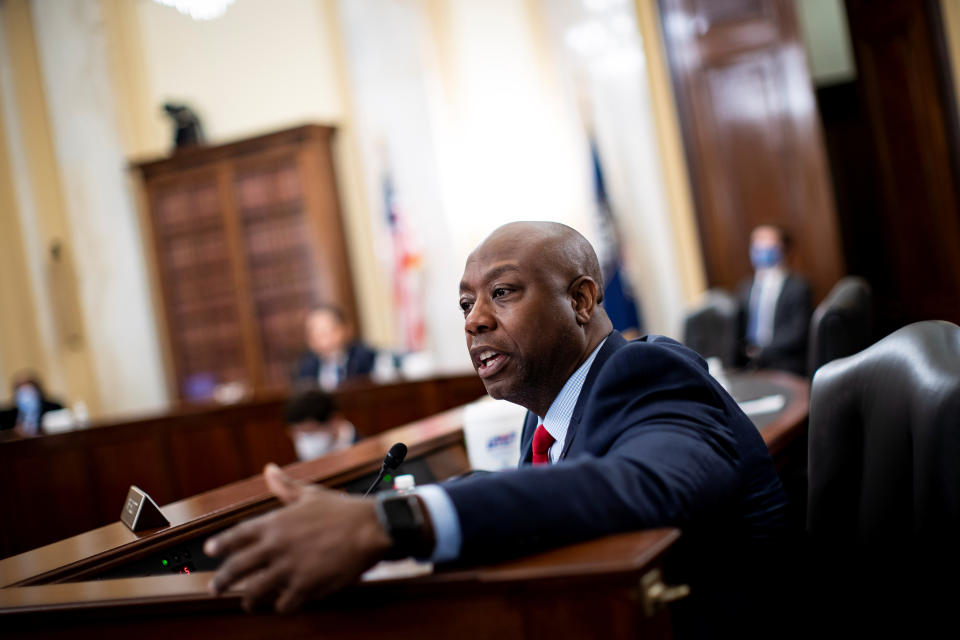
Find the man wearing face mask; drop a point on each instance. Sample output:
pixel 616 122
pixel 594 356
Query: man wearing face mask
pixel 29 405
pixel 776 306
pixel 315 425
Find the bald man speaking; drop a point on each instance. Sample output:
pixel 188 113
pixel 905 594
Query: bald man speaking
pixel 619 436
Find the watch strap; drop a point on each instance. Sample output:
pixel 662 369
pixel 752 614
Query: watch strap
pixel 403 518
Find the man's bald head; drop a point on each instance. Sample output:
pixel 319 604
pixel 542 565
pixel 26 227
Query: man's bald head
pixel 559 247
pixel 530 297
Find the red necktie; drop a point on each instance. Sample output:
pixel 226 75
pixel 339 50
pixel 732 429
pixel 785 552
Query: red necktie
pixel 541 445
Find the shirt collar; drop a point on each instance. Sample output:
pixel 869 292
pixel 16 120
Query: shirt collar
pixel 558 415
pixel 771 274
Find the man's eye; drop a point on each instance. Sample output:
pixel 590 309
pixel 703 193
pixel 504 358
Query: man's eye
pixel 465 305
pixel 500 291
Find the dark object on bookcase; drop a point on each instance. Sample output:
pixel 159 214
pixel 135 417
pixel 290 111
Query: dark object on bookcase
pixel 187 132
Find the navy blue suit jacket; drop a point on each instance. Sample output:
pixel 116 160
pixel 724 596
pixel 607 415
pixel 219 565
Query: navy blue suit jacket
pixel 654 441
pixel 360 361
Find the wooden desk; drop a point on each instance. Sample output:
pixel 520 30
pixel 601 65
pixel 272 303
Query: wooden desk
pixel 780 428
pixel 438 441
pixel 592 589
pixel 63 484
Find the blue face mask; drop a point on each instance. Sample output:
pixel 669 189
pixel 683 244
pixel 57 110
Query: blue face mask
pixel 765 257
pixel 28 400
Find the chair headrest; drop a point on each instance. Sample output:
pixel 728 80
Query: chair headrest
pixel 884 440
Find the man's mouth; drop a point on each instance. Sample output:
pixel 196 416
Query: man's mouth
pixel 489 362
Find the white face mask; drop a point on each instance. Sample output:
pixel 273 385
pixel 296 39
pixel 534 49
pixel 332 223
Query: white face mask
pixel 313 444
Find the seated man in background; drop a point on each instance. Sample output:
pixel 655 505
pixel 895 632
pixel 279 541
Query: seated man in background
pixel 333 354
pixel 619 436
pixel 30 403
pixel 775 306
pixel 315 425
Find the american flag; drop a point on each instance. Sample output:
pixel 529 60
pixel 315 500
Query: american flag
pixel 406 266
pixel 618 298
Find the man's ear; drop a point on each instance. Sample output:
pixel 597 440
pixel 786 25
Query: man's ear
pixel 583 296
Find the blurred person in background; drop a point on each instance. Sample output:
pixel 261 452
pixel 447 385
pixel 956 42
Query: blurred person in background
pixel 775 306
pixel 334 355
pixel 30 403
pixel 316 426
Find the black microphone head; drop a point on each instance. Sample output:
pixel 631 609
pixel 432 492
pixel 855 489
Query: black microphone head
pixel 395 456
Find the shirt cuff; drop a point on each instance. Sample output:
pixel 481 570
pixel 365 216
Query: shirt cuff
pixel 446 522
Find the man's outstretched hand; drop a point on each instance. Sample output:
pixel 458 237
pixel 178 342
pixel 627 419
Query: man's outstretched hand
pixel 321 541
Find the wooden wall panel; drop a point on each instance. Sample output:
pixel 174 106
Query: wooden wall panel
pixel 49 488
pixel 751 133
pixel 205 455
pixel 141 456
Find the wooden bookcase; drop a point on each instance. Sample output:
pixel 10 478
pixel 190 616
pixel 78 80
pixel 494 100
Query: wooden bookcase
pixel 245 237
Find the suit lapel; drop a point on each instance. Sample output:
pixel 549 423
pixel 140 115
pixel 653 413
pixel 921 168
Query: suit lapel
pixel 526 438
pixel 614 342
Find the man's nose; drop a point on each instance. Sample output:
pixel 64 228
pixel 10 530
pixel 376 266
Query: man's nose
pixel 480 319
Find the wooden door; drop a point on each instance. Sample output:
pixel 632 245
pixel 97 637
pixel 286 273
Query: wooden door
pixel 752 134
pixel 905 87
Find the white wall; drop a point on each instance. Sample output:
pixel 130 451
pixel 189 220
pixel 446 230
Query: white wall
pixel 515 150
pixel 105 236
pixel 392 81
pixel 31 237
pixel 460 100
pixel 602 56
pixel 262 66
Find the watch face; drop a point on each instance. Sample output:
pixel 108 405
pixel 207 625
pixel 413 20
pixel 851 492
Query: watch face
pixel 400 513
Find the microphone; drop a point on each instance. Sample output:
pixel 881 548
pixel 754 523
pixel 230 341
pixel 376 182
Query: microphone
pixel 391 461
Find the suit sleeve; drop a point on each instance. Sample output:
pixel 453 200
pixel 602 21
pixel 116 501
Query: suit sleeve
pixel 661 455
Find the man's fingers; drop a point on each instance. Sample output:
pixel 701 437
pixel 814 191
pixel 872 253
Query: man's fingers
pixel 291 598
pixel 261 587
pixel 238 566
pixel 231 539
pixel 282 485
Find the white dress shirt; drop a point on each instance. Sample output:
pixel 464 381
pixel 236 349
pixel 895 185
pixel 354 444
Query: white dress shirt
pixel 767 284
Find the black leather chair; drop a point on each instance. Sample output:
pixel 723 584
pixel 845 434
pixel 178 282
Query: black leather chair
pixel 711 329
pixel 842 324
pixel 883 511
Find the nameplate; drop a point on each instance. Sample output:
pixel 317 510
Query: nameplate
pixel 140 512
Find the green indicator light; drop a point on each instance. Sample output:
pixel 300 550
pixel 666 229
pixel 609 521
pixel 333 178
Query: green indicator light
pixel 388 478
pixel 164 562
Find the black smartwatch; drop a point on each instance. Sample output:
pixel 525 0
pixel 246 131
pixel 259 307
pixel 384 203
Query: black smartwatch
pixel 403 519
